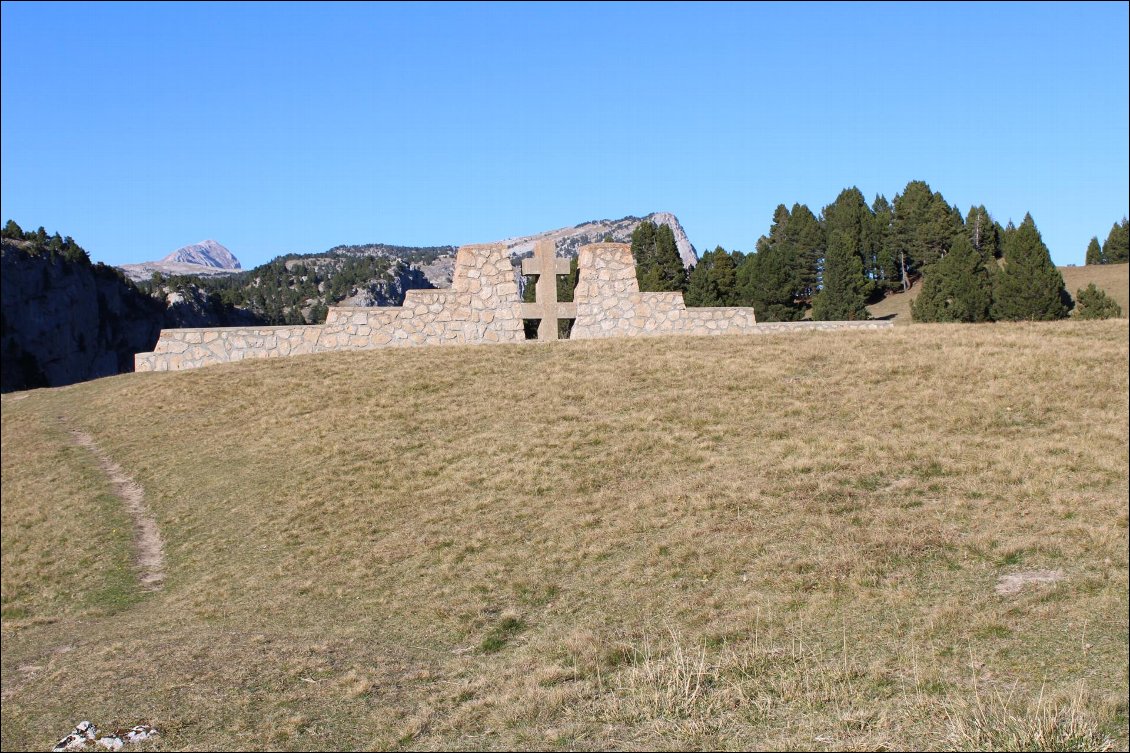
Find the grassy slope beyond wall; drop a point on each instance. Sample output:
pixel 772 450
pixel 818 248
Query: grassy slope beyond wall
pixel 737 542
pixel 1112 278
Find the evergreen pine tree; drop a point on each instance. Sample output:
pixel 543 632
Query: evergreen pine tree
pixel 883 267
pixel 768 278
pixel 943 226
pixel 672 273
pixel 1092 303
pixel 843 295
pixel 724 277
pixel 771 279
pixel 698 282
pixel 923 228
pixel 1116 250
pixel 713 281
pixel 850 216
pixel 12 230
pixel 1028 286
pixel 956 288
pixel 805 243
pixel 643 247
pixel 1094 252
pixel 911 211
pixel 658 264
pixel 983 233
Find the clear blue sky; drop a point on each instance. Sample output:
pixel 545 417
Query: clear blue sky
pixel 140 128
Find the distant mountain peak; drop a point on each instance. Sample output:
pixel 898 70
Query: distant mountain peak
pixel 207 253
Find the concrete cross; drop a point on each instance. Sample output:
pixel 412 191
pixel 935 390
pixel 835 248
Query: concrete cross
pixel 547 266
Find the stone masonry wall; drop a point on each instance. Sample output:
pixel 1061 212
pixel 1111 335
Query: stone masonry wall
pixel 610 304
pixel 482 306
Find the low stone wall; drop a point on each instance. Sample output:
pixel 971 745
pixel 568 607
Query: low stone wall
pixel 610 304
pixel 769 328
pixel 189 348
pixel 482 305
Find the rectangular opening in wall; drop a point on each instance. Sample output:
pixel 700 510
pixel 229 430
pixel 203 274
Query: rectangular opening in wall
pixel 564 327
pixel 531 328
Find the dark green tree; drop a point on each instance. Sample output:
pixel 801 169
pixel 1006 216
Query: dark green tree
pixel 911 211
pixel 983 233
pixel 850 217
pixel 843 296
pixel 1093 303
pixel 12 230
pixel 713 281
pixel 698 282
pixel 943 226
pixel 1094 252
pixel 956 288
pixel 883 268
pixel 768 284
pixel 923 228
pixel 1028 286
pixel 774 280
pixel 807 240
pixel 658 264
pixel 643 246
pixel 1116 249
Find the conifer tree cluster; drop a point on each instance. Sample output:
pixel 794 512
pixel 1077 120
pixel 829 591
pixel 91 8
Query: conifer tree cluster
pixel 1092 303
pixel 1027 285
pixel 658 264
pixel 1116 248
pixel 854 253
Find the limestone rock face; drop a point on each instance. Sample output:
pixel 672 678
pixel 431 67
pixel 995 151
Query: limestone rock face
pixel 66 321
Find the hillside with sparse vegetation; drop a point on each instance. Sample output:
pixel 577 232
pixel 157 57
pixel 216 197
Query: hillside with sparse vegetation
pixel 914 539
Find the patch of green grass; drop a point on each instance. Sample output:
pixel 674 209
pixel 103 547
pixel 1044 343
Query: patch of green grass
pixel 501 634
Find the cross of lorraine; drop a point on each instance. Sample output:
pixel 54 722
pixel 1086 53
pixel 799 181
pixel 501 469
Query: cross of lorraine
pixel 547 308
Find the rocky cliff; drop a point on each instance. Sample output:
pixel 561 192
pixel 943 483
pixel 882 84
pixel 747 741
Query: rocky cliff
pixel 67 320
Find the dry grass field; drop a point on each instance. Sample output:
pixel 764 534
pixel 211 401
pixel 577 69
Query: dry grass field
pixel 779 542
pixel 1114 279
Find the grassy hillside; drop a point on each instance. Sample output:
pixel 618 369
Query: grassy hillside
pixel 896 307
pixel 783 542
pixel 1112 278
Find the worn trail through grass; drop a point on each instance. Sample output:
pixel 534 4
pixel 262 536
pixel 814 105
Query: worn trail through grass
pixel 150 552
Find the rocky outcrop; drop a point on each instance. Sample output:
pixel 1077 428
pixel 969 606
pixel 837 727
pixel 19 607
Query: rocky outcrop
pixel 569 240
pixel 391 290
pixel 65 320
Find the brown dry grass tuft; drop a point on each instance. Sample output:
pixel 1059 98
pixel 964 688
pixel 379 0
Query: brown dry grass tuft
pixel 778 541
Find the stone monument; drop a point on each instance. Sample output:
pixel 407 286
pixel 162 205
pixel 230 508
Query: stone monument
pixel 482 306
